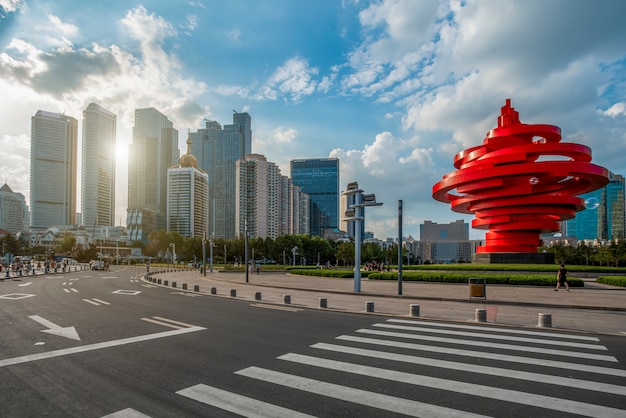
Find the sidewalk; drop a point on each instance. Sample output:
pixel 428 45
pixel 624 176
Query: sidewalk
pixel 593 308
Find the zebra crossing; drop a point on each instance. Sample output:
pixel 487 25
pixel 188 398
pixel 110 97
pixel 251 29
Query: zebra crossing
pixel 431 369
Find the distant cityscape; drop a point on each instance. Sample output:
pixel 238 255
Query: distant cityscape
pixel 219 188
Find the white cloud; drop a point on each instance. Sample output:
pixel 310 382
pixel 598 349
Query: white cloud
pixel 293 79
pixel 618 109
pixel 10 6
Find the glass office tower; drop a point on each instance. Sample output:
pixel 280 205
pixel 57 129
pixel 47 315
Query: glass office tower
pixel 603 218
pixel 98 167
pixel 53 161
pixel 217 149
pixel 319 178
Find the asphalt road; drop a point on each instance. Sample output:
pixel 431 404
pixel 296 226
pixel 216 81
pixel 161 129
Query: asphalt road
pixel 94 344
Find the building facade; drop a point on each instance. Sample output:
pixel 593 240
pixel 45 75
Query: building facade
pixel 268 204
pixel 444 243
pixel 604 216
pixel 98 166
pixel 53 166
pixel 187 197
pixel 13 211
pixel 217 149
pixel 319 178
pixel 154 149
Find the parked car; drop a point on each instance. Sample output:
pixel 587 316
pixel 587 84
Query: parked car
pixel 97 265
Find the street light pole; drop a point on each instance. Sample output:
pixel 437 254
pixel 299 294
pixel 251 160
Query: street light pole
pixel 356 213
pixel 399 247
pixel 204 253
pixel 246 248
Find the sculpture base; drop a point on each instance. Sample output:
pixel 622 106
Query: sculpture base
pixel 513 258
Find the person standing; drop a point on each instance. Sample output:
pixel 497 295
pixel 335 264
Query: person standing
pixel 561 278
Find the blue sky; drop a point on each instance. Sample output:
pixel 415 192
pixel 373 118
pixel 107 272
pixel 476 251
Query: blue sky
pixel 393 88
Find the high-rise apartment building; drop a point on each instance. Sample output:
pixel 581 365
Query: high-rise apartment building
pixel 13 210
pixel 187 197
pixel 98 166
pixel 441 243
pixel 268 204
pixel 154 149
pixel 294 209
pixel 53 161
pixel 604 215
pixel 319 178
pixel 218 149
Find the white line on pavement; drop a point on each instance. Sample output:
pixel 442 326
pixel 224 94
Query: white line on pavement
pixel 237 404
pixel 344 393
pixel 506 395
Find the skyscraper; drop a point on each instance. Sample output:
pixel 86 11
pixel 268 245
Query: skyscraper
pixel 13 210
pixel 319 178
pixel 218 150
pixel 604 215
pixel 153 151
pixel 187 197
pixel 53 161
pixel 98 166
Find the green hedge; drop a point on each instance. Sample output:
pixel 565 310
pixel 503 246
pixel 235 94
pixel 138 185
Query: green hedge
pixel 443 277
pixel 514 267
pixel 613 280
pixel 343 274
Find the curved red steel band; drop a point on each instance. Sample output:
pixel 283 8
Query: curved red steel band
pixel 514 189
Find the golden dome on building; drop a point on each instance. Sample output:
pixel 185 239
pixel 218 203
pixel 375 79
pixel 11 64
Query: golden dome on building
pixel 188 160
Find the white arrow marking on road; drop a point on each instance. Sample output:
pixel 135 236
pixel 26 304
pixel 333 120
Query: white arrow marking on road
pixel 25 284
pixel 68 332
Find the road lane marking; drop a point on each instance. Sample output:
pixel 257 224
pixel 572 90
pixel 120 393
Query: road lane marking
pixel 25 284
pixel 127 413
pixel 363 397
pixel 488 344
pixel 16 296
pixel 97 346
pixel 238 404
pixel 471 368
pixel 506 395
pixel 127 292
pixel 54 329
pixel 96 302
pixel 492 356
pixel 277 307
pixel 494 337
pixel 167 322
pixel 498 330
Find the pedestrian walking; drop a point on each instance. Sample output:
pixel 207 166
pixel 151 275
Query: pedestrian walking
pixel 561 278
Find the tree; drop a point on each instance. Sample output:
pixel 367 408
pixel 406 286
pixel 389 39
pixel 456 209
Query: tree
pixel 345 253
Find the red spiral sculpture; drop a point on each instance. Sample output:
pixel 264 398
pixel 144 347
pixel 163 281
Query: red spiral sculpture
pixel 520 183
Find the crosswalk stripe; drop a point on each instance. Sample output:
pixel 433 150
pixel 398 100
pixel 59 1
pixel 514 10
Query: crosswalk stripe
pixel 472 368
pixel 344 393
pixel 541 350
pixel 500 330
pixel 494 337
pixel 492 356
pixel 101 301
pixel 507 395
pixel 238 404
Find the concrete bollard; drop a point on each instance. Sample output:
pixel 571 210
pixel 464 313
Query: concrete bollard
pixel 173 284
pixel 286 299
pixel 158 281
pixel 233 293
pixel 480 315
pixel 414 309
pixel 545 320
pixel 184 286
pixel 257 295
pixel 196 288
pixel 214 290
pixel 166 282
pixel 369 306
pixel 323 303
